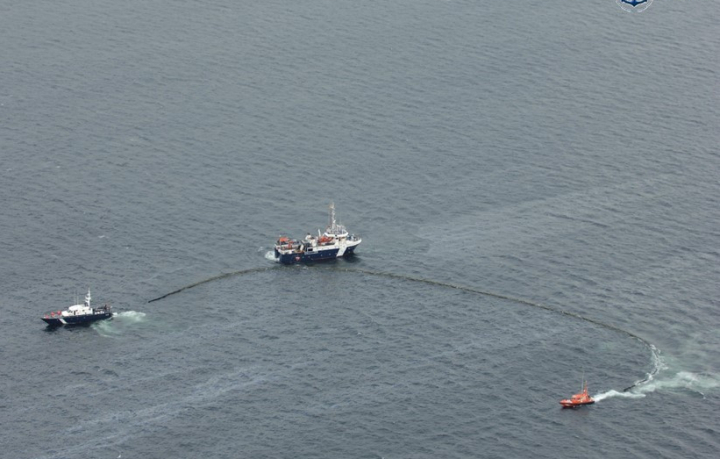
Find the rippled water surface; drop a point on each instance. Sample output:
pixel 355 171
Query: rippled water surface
pixel 536 185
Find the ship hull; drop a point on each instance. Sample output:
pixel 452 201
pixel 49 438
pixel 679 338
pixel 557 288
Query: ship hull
pixel 575 405
pixel 309 257
pixel 76 320
pixel 53 322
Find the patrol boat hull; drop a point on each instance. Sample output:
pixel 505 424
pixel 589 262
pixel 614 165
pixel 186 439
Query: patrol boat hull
pixel 57 321
pixel 78 314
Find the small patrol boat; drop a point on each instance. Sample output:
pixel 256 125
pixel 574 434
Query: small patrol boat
pixel 578 399
pixel 78 314
pixel 335 242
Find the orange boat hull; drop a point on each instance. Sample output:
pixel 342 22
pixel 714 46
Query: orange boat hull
pixel 571 404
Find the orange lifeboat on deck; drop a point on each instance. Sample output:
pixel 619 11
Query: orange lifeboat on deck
pixel 578 399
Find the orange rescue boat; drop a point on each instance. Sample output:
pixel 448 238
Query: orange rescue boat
pixel 578 399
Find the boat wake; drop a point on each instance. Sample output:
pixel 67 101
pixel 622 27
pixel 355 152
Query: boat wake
pixel 270 255
pixel 685 380
pixel 114 328
pixel 658 366
pixel 614 393
pixel 637 390
pixel 130 316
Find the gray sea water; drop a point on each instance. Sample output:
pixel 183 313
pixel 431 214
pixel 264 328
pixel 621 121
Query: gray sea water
pixel 560 156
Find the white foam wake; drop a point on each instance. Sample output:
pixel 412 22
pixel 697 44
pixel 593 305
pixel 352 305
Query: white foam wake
pixel 130 316
pixel 614 393
pixel 685 380
pixel 695 382
pixel 270 256
pixel 114 328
